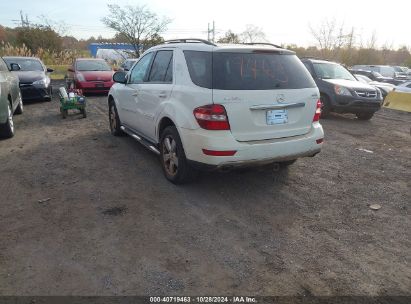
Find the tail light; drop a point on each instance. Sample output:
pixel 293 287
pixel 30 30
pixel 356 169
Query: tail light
pixel 317 111
pixel 212 117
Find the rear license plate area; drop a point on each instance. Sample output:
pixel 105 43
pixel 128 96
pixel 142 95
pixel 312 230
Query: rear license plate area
pixel 277 117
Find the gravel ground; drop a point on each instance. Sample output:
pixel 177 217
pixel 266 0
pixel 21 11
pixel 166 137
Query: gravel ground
pixel 86 213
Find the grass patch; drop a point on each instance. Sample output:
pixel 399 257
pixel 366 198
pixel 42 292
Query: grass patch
pixel 59 71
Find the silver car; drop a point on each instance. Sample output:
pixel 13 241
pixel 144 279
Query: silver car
pixel 10 99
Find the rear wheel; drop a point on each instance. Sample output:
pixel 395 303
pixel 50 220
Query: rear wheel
pixel 364 116
pixel 325 106
pixel 173 160
pixel 7 129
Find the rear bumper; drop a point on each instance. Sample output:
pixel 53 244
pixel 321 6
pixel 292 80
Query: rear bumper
pixel 247 153
pixel 94 87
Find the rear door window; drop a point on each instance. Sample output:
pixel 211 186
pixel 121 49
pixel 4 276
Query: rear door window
pixel 247 71
pixel 161 70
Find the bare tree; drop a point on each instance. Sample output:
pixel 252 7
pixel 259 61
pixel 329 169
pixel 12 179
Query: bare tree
pixel 331 37
pixel 229 37
pixel 252 34
pixel 60 27
pixel 137 24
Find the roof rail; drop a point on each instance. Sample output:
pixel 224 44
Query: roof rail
pixel 263 43
pixel 190 40
pixel 315 58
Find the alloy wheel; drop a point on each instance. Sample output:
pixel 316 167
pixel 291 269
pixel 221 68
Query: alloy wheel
pixel 113 121
pixel 10 119
pixel 170 157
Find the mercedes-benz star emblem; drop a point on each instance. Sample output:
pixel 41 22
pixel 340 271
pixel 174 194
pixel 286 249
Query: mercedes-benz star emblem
pixel 280 98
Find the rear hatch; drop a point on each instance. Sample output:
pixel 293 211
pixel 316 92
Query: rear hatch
pixel 267 94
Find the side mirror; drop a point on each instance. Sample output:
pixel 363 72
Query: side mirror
pixel 70 70
pixel 120 77
pixel 15 67
pixel 49 70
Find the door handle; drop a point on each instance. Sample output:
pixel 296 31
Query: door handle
pixel 135 94
pixel 162 95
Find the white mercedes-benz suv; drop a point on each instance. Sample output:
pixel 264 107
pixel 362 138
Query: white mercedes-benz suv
pixel 206 106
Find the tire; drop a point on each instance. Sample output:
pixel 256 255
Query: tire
pixel 19 109
pixel 64 113
pixel 84 112
pixel 325 106
pixel 114 120
pixel 364 116
pixel 173 159
pixel 7 129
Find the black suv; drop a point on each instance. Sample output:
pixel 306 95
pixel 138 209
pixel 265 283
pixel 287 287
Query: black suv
pixel 341 92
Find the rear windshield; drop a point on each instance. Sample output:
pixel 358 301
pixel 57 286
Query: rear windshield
pixel 247 71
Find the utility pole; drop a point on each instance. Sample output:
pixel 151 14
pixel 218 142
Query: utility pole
pixel 211 31
pixel 24 22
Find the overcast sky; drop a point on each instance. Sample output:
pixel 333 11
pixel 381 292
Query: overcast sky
pixel 282 21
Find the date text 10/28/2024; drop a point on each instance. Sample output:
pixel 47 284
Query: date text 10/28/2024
pixel 239 299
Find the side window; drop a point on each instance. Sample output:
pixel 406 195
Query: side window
pixel 162 68
pixel 307 65
pixel 3 66
pixel 200 68
pixel 139 71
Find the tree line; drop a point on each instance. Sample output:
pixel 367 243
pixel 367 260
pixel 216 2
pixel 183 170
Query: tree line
pixel 143 28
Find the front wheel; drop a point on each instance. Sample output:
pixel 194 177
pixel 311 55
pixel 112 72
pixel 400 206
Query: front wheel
pixel 7 129
pixel 173 160
pixel 325 106
pixel 114 120
pixel 364 116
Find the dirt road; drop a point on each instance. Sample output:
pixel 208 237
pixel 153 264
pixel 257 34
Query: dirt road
pixel 86 213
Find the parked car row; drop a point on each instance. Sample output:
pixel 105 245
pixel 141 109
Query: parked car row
pixel 383 73
pixel 211 107
pixel 21 79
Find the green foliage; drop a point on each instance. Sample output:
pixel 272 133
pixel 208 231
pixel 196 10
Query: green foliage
pixel 37 37
pixel 357 55
pixel 47 56
pixel 229 37
pixel 59 71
